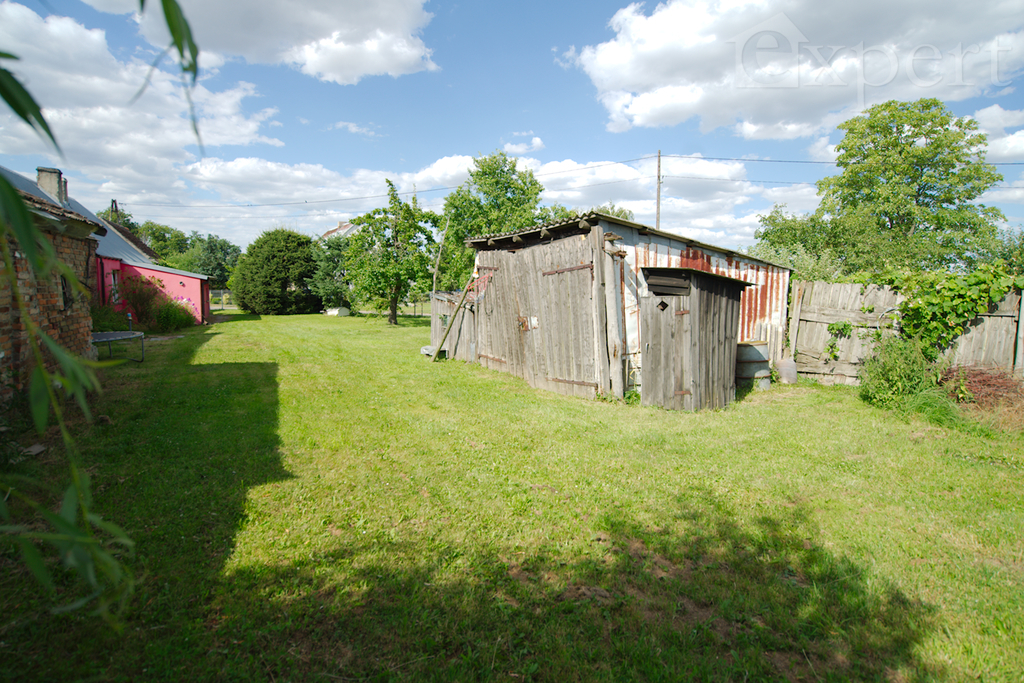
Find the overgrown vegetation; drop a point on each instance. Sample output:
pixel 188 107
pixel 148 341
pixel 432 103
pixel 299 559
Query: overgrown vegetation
pixel 153 308
pixel 355 512
pixel 141 295
pixel 173 314
pixel 940 305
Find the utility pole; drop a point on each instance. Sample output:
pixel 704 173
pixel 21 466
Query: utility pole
pixel 657 215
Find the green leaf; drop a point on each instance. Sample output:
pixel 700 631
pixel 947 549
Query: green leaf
pixel 14 214
pixel 35 563
pixel 22 104
pixel 69 509
pixel 39 399
pixel 114 530
pixel 181 37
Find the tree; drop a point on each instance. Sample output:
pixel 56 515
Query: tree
pixel 805 264
pixel 905 198
pixel 215 257
pixel 849 239
pixel 916 170
pixel 612 210
pixel 389 254
pixel 122 218
pixel 330 280
pixel 497 197
pixel 1010 250
pixel 272 279
pixel 163 239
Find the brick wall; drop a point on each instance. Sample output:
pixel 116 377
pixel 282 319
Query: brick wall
pixel 60 312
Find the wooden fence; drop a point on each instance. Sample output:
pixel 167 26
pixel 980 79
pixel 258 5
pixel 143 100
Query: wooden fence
pixel 993 339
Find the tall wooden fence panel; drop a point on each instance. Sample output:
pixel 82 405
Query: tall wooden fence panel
pixel 993 339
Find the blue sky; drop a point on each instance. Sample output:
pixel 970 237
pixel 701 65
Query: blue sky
pixel 306 107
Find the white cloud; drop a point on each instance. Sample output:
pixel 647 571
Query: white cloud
pixel 354 128
pixel 774 75
pixel 533 145
pixel 1002 146
pixel 822 150
pixel 339 41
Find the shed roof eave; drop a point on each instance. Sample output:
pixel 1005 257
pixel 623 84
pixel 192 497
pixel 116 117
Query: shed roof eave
pixel 163 269
pixel 484 241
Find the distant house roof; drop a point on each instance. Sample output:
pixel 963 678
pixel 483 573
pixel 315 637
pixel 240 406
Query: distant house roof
pixel 343 230
pixel 60 206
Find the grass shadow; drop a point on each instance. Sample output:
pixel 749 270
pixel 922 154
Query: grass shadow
pixel 171 460
pixel 723 601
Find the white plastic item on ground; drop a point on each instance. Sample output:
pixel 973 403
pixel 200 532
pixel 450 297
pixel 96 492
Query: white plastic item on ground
pixel 787 371
pixel 337 311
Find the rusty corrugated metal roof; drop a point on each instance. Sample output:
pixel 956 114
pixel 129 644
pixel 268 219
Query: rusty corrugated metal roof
pixel 573 224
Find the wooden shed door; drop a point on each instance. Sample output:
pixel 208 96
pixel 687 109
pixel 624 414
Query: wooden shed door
pixel 666 352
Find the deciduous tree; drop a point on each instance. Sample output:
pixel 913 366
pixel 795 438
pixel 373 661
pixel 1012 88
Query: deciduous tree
pixel 330 280
pixel 389 253
pixel 906 196
pixel 498 196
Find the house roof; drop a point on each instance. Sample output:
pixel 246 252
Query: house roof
pixel 134 239
pixel 343 230
pixel 116 245
pixel 42 202
pixel 581 224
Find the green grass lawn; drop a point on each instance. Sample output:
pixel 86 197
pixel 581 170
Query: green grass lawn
pixel 313 500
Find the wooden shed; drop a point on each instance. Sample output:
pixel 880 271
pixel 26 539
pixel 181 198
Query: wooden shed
pixel 570 307
pixel 690 321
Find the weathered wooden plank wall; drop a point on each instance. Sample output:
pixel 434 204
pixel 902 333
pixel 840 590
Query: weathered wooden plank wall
pixel 537 318
pixel 689 347
pixel 991 340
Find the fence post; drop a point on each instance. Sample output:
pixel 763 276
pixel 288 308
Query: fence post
pixel 1018 354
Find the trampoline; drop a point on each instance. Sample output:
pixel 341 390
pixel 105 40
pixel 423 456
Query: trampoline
pixel 109 337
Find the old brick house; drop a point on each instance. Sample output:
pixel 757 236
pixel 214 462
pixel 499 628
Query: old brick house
pixel 58 310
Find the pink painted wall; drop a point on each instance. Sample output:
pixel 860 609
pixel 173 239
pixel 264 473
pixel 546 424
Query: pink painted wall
pixel 193 290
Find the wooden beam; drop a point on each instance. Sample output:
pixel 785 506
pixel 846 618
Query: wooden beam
pixel 600 312
pixel 569 270
pixel 572 381
pixel 1018 362
pixel 451 321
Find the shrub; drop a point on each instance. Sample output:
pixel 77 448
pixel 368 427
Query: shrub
pixel 172 314
pixel 898 370
pixel 108 319
pixel 273 277
pixel 141 295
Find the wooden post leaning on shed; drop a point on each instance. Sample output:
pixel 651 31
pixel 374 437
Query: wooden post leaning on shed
pixel 598 303
pixel 798 295
pixel 1018 356
pixel 451 321
pixel 615 323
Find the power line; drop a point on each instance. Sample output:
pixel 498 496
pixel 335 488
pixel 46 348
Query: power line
pixel 547 174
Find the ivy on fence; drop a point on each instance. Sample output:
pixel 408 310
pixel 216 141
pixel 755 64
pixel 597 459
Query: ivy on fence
pixel 939 306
